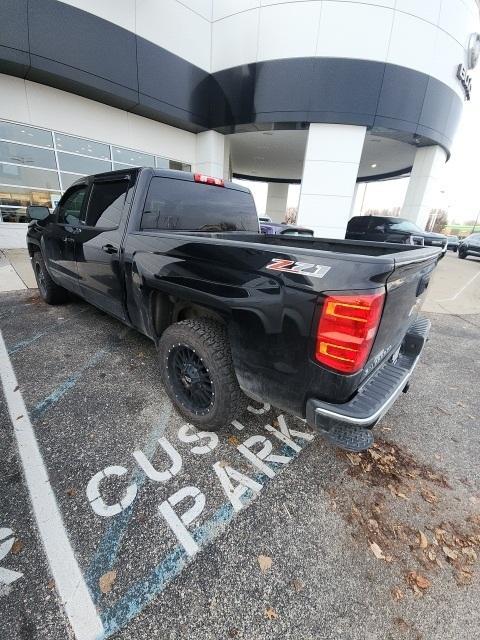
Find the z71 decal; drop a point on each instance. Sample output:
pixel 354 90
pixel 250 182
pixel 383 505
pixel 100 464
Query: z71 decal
pixel 304 268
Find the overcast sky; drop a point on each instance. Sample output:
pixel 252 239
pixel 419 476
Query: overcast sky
pixel 460 181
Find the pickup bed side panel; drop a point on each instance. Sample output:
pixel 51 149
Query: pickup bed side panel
pixel 269 314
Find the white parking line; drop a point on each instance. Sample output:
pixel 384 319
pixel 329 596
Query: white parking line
pixel 68 577
pixel 467 284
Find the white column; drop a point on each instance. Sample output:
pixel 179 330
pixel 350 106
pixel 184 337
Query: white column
pixel 213 154
pixel 423 193
pixel 277 201
pixel 329 177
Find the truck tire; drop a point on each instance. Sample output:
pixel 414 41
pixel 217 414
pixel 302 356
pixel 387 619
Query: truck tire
pixel 51 292
pixel 462 253
pixel 197 372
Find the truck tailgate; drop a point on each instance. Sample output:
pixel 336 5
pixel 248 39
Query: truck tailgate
pixel 406 289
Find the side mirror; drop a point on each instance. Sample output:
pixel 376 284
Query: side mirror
pixel 35 212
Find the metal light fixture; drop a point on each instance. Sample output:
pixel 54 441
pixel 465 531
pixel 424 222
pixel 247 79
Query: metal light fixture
pixel 473 51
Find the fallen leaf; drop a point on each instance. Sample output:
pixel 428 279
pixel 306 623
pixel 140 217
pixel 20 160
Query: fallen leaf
pixel 464 577
pixel 428 496
pixel 400 622
pixel 71 492
pixel 233 440
pixel 450 553
pixel 417 580
pixel 354 458
pixel 431 555
pixel 233 632
pixel 106 581
pixel 298 585
pixel 470 553
pixel 16 388
pixel 51 584
pixel 423 540
pixel 377 552
pixel 265 563
pixel 397 593
pixel 21 416
pixel 17 546
pixel 271 614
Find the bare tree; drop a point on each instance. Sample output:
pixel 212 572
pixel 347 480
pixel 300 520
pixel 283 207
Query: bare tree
pixel 439 218
pixel 291 215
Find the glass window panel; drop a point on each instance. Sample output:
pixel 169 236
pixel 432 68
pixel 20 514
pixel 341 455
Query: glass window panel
pixel 121 165
pixel 28 177
pixel 179 166
pixel 21 133
pixel 132 158
pixel 82 146
pixel 106 202
pixel 70 208
pixel 185 205
pixel 79 164
pixel 23 154
pixel 162 163
pixel 18 199
pixel 69 178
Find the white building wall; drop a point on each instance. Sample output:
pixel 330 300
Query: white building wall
pixel 41 106
pixel 329 177
pixel 277 196
pixel 426 35
pixel 423 191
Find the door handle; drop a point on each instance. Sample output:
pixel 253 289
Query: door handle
pixel 109 248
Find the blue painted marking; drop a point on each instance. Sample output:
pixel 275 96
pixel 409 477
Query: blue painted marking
pixel 25 343
pixel 109 546
pixel 40 408
pixel 141 593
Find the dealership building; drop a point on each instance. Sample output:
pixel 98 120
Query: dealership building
pixel 324 93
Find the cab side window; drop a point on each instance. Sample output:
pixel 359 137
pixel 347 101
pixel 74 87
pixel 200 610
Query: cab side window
pixel 70 207
pixel 106 203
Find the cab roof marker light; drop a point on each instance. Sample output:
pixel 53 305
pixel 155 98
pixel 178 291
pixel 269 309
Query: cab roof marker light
pixel 203 179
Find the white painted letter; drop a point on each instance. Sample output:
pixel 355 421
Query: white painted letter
pixel 184 436
pixel 261 411
pixel 234 494
pixel 284 435
pixel 179 524
pixel 7 576
pixel 264 454
pixel 151 472
pixel 96 501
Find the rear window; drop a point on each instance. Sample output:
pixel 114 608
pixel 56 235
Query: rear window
pixel 189 206
pixel 358 224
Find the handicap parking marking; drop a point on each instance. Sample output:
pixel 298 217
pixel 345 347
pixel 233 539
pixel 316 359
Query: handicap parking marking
pixel 191 483
pixel 71 586
pixel 239 490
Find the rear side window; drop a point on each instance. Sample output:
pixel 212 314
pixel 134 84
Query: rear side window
pixel 106 202
pixel 190 206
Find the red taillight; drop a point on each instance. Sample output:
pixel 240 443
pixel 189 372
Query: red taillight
pixel 346 330
pixel 217 182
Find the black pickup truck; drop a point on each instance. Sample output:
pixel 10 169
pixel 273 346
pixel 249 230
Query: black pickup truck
pixel 325 329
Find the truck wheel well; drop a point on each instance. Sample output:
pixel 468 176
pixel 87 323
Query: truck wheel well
pixel 32 248
pixel 167 310
pixel 189 311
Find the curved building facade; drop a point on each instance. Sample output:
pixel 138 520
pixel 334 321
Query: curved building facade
pixel 326 93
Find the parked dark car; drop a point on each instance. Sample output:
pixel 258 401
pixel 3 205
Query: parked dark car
pixel 392 229
pixel 284 229
pixel 325 329
pixel 452 243
pixel 469 246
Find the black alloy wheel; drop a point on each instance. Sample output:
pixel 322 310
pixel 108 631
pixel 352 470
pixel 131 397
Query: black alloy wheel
pixel 190 379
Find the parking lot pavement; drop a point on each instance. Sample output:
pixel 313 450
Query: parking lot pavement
pixel 455 288
pixel 179 534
